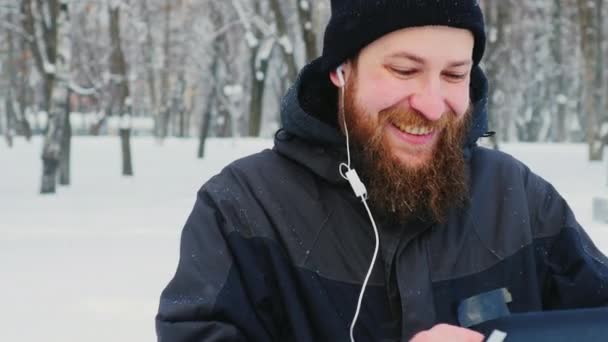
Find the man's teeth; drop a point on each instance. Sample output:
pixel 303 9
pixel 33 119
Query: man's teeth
pixel 415 130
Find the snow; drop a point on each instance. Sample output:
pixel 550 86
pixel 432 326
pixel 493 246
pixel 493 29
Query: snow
pixel 116 78
pixel 81 90
pixel 264 52
pixel 492 34
pixel 251 39
pixel 233 90
pixel 604 129
pixel 89 263
pixel 116 4
pixel 125 121
pixel 304 5
pixel 49 68
pixel 561 99
pixel 259 75
pixel 46 15
pixel 82 122
pixel 285 42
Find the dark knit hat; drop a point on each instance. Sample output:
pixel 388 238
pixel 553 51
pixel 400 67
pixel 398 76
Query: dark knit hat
pixel 356 23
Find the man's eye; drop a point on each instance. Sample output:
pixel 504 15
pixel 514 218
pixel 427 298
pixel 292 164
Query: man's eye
pixel 455 76
pixel 404 72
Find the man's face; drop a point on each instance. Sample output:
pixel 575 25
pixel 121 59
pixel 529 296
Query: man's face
pixel 406 100
pixel 423 70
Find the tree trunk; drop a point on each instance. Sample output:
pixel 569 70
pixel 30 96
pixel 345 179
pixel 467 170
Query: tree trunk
pixel 179 106
pixel 150 63
pixel 599 82
pixel 164 92
pixel 2 131
pixel 25 127
pixel 259 69
pixel 10 121
pixel 497 14
pixel 118 68
pixel 125 143
pixel 205 124
pixel 590 44
pixel 50 152
pixel 561 134
pixel 226 130
pixel 66 144
pixel 309 35
pixel 49 173
pixel 11 116
pixel 44 46
pixel 51 149
pixel 287 46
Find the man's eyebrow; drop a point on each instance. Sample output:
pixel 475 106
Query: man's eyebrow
pixel 460 63
pixel 420 60
pixel 407 55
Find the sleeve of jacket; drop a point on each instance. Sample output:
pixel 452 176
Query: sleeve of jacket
pixel 206 300
pixel 573 271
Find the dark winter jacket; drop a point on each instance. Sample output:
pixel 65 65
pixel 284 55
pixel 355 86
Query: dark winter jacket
pixel 277 246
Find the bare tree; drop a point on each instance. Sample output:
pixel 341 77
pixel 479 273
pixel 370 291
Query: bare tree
pixel 260 45
pixel 43 21
pixel 150 62
pixel 305 15
pixel 165 113
pixel 231 61
pixel 284 40
pixel 497 16
pixel 120 89
pixel 207 114
pixel 14 116
pixel 590 14
pixel 558 80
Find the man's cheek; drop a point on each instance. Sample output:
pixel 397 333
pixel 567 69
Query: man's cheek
pixel 459 101
pixel 381 96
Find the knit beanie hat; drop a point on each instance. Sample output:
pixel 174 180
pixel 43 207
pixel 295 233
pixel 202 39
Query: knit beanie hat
pixel 356 23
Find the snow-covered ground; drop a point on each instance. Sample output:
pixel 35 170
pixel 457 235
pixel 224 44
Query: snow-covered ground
pixel 89 263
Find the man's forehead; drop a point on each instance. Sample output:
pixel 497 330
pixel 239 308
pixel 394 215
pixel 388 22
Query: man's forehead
pixel 421 44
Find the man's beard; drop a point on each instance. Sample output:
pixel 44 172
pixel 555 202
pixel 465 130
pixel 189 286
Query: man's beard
pixel 401 191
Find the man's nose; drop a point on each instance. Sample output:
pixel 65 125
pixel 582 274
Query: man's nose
pixel 429 101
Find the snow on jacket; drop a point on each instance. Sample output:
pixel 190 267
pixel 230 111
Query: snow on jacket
pixel 277 246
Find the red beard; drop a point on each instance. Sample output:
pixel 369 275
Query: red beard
pixel 395 189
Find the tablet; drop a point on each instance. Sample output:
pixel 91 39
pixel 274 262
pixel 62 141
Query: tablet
pixel 581 325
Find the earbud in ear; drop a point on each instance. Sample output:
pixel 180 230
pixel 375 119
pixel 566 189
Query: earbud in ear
pixel 340 73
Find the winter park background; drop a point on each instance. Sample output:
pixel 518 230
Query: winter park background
pixel 114 112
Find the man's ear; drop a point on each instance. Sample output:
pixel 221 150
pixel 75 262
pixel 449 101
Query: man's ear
pixel 335 79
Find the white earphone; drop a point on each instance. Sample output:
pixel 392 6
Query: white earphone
pixel 340 73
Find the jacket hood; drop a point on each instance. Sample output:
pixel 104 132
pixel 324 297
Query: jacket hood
pixel 308 110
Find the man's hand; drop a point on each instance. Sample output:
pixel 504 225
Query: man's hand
pixel 450 333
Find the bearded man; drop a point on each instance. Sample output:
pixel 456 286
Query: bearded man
pixel 279 248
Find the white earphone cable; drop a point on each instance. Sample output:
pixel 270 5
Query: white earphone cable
pixel 369 272
pixel 360 191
